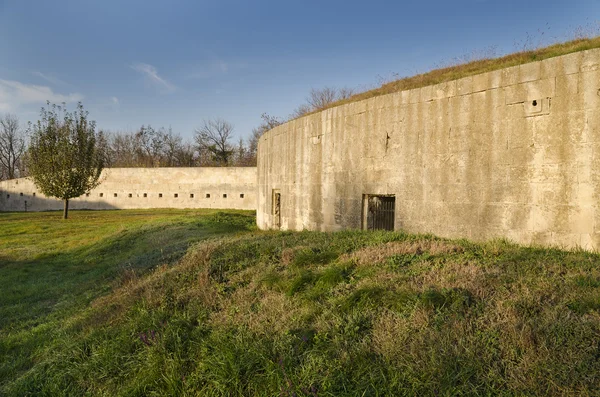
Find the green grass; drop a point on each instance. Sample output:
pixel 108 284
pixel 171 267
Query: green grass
pixel 51 269
pixel 303 314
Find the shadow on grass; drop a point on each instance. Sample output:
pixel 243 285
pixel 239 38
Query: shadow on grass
pixel 37 295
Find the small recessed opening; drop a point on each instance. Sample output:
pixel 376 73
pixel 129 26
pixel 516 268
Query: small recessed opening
pixel 33 194
pixel 159 195
pixel 86 195
pixel 115 194
pixel 101 195
pixel 534 103
pixel 176 195
pixel 130 195
pixel 241 195
pixel 207 195
pixel 8 196
pixel 224 195
pixel 191 195
pixel 378 211
pixel 145 194
pixel 21 194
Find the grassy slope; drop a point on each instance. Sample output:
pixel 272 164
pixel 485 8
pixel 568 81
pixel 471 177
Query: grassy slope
pixel 349 313
pixel 51 269
pixel 472 68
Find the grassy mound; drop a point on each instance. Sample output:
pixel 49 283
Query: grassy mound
pixel 329 314
pixel 50 269
pixel 478 66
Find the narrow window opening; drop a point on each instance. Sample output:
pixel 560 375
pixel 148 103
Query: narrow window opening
pixel 8 196
pixel 224 195
pixel 101 194
pixel 159 195
pixel 534 103
pixel 33 194
pixel 115 194
pixel 130 195
pixel 191 195
pixel 207 195
pixel 241 195
pixel 276 209
pixel 21 194
pixel 145 194
pixel 176 195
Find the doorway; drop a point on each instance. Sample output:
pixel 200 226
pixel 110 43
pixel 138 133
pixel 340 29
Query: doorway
pixel 379 211
pixel 276 210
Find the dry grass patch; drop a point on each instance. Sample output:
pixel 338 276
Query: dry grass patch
pixel 377 254
pixel 456 274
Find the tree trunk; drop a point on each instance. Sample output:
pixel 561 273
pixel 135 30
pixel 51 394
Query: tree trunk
pixel 66 211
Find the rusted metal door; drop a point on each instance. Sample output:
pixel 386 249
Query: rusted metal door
pixel 276 209
pixel 380 212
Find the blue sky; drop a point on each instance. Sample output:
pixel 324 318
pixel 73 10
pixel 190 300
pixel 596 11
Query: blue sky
pixel 177 62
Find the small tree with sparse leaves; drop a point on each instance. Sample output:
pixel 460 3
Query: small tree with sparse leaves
pixel 66 155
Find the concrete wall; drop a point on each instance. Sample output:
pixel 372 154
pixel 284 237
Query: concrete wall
pixel 124 188
pixel 513 153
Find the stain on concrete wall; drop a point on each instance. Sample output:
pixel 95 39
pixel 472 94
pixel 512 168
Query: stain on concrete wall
pixel 130 188
pixel 512 153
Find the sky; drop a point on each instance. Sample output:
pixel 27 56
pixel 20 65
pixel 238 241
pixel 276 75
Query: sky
pixel 176 63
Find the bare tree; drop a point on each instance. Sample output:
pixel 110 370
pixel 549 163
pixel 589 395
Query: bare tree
pixel 185 155
pixel 213 138
pixel 301 111
pixel 268 122
pixel 149 146
pixel 172 144
pixel 12 146
pixel 344 93
pixel 319 99
pixel 122 150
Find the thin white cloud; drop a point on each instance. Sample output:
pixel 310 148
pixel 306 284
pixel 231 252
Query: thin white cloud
pixel 14 94
pixel 49 79
pixel 215 67
pixel 114 100
pixel 152 75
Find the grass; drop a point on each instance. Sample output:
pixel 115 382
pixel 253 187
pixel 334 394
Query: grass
pixel 472 68
pixel 312 314
pixel 51 269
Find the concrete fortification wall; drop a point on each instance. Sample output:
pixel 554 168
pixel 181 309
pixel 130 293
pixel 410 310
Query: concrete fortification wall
pixel 512 153
pixel 129 188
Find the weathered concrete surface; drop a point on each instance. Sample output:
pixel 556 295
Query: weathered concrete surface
pixel 513 153
pixel 129 188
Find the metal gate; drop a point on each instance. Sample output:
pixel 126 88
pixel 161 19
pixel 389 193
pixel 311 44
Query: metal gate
pixel 380 212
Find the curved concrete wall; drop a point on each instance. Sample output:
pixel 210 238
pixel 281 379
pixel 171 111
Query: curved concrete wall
pixel 129 188
pixel 513 153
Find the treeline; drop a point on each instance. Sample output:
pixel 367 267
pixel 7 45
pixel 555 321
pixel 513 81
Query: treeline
pixel 212 145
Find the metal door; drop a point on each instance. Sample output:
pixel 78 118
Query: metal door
pixel 380 212
pixel 276 209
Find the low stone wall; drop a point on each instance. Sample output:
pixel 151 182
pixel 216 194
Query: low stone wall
pixel 131 188
pixel 511 153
